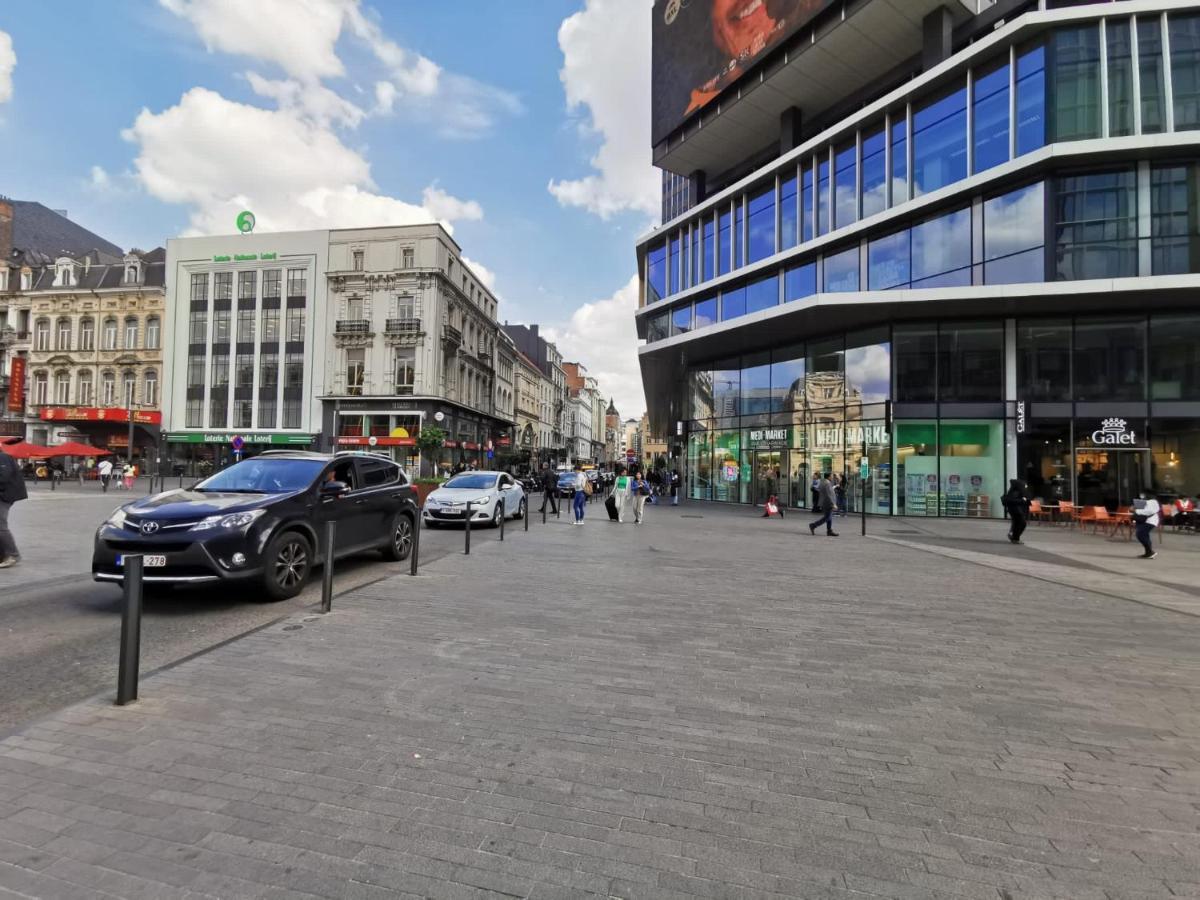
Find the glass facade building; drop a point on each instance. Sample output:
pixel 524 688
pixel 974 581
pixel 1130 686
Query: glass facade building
pixel 988 272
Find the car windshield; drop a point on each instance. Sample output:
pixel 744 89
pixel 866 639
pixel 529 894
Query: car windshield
pixel 264 476
pixel 475 482
pixel 566 476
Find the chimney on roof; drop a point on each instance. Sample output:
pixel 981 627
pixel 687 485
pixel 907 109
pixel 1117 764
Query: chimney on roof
pixel 6 231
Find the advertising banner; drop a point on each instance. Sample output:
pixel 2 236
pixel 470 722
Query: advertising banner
pixel 95 414
pixel 701 47
pixel 16 385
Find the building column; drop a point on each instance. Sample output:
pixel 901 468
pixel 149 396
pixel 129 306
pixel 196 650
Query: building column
pixel 1010 397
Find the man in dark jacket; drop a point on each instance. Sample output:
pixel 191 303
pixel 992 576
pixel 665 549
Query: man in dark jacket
pixel 549 489
pixel 1016 501
pixel 12 490
pixel 827 500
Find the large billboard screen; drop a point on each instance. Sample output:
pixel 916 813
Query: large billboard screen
pixel 703 46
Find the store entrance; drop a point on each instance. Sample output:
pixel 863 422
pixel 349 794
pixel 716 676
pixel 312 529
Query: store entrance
pixel 1111 478
pixel 770 476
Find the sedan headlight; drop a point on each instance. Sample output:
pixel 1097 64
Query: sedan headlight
pixel 117 519
pixel 233 520
pixel 481 500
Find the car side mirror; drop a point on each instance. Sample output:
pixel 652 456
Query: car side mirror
pixel 334 488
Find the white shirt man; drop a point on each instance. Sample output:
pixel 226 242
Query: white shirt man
pixel 105 469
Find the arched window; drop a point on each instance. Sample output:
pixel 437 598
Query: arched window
pixel 109 340
pixel 153 333
pixel 41 386
pixel 62 388
pixel 83 393
pixel 128 388
pixel 150 389
pixel 108 389
pixel 87 334
pixel 41 334
pixel 63 338
pixel 131 333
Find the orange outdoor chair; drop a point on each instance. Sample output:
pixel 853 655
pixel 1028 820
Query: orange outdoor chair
pixel 1086 515
pixel 1067 512
pixel 1098 518
pixel 1036 512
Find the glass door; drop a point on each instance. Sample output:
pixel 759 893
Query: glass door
pixel 770 476
pixel 1111 478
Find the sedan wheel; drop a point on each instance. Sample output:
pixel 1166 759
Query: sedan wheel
pixel 521 509
pixel 288 563
pixel 497 512
pixel 401 543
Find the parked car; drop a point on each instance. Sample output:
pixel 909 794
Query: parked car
pixel 529 484
pixel 491 495
pixel 566 484
pixel 262 520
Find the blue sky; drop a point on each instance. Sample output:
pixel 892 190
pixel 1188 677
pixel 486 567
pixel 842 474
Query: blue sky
pixel 522 124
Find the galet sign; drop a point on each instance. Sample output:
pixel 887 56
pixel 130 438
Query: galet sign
pixel 1113 432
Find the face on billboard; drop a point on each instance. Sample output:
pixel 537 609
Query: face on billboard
pixel 703 46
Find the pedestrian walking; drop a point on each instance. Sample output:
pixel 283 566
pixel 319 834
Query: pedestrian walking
pixel 130 474
pixel 826 500
pixel 1016 501
pixel 839 493
pixel 582 489
pixel 12 490
pixel 675 487
pixel 620 492
pixel 549 489
pixel 105 468
pixel 640 489
pixel 1146 516
pixel 815 489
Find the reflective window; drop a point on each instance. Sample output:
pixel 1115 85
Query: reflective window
pixel 799 282
pixel 990 119
pixel 868 366
pixel 1172 242
pixel 823 195
pixel 940 142
pixel 941 251
pixel 1150 71
pixel 723 245
pixel 914 361
pixel 1185 70
pixel 1044 359
pixel 874 172
pixel 727 380
pixel 888 262
pixel 756 384
pixel 1110 359
pixel 1095 226
pixel 845 200
pixel 706 312
pixel 681 320
pixel 762 224
pixel 694 257
pixel 733 303
pixel 841 271
pixel 787 379
pixel 970 362
pixel 1075 84
pixel 787 213
pixel 1175 357
pixel 1014 237
pixel 762 293
pixel 1031 99
pixel 656 328
pixel 1120 77
pixel 739 234
pixel 710 248
pixel 673 269
pixel 825 383
pixel 806 204
pixel 899 192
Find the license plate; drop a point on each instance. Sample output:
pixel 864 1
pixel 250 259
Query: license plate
pixel 148 562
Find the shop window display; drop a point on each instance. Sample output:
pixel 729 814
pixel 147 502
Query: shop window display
pixel 699 473
pixel 726 461
pixel 1175 458
pixel 971 462
pixel 916 482
pixel 1044 460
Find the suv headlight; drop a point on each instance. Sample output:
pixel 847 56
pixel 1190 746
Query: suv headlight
pixel 233 520
pixel 117 519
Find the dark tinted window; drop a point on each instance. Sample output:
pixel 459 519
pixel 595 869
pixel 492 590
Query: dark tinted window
pixel 376 472
pixel 970 362
pixel 1110 359
pixel 1044 359
pixel 265 475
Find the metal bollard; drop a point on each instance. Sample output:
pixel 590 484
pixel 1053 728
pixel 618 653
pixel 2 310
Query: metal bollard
pixel 558 507
pixel 327 572
pixel 181 482
pixel 526 515
pixel 53 480
pixel 544 502
pixel 503 516
pixel 467 523
pixel 131 632
pixel 416 550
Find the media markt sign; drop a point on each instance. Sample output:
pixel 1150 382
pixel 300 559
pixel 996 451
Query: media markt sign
pixel 1114 433
pixel 226 437
pixel 768 439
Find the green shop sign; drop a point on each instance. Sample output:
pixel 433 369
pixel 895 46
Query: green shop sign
pixel 249 437
pixel 246 257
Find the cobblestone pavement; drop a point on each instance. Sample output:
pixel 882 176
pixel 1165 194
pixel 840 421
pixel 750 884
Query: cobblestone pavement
pixel 720 706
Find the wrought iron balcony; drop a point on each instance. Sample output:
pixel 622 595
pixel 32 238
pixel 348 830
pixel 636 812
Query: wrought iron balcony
pixel 451 335
pixel 403 326
pixel 353 326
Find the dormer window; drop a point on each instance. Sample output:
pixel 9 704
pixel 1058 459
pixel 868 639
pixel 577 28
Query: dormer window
pixel 133 269
pixel 64 272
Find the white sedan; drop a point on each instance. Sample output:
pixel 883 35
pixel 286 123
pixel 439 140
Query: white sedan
pixel 491 494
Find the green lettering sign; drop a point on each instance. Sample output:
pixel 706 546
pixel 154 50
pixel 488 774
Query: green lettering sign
pixel 244 257
pixel 220 259
pixel 267 256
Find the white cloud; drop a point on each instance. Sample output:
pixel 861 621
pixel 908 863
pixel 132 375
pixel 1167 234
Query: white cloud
pixel 217 157
pixel 8 62
pixel 385 97
pixel 603 337
pixel 606 69
pixel 318 103
pixel 443 207
pixel 482 272
pixel 99 179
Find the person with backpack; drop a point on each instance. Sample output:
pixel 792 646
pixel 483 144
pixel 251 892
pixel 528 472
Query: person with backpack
pixel 1146 512
pixel 1016 501
pixel 621 487
pixel 12 490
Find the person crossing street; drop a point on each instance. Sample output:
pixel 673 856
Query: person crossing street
pixel 12 490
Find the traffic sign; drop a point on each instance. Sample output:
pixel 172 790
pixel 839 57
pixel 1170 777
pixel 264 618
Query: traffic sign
pixel 237 443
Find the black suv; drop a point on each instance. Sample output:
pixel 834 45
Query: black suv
pixel 262 519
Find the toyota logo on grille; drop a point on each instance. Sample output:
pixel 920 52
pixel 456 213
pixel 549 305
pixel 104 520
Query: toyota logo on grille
pixel 149 527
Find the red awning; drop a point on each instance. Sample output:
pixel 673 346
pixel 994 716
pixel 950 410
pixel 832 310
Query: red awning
pixel 23 450
pixel 74 448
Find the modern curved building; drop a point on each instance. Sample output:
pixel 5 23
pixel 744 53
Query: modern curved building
pixel 960 240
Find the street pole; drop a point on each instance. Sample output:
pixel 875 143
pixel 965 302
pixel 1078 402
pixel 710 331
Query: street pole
pixel 864 473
